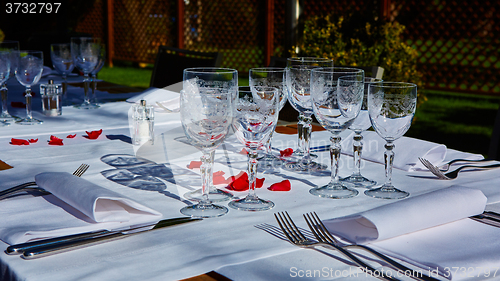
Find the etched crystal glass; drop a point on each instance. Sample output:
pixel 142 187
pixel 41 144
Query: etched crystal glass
pixel 62 61
pixel 85 52
pixel 28 73
pixel 391 106
pixel 11 47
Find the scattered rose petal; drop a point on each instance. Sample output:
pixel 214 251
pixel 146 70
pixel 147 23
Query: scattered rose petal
pixel 243 151
pixel 286 152
pixel 33 140
pixel 71 136
pixel 194 165
pixel 19 142
pixel 18 104
pixel 281 186
pixel 218 178
pixel 240 182
pixel 93 134
pixel 55 141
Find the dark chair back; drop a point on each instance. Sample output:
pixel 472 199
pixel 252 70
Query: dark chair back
pixel 171 62
pixel 494 151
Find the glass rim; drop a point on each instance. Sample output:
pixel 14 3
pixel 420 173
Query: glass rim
pixel 60 44
pixel 338 69
pixel 29 51
pixel 309 59
pixel 211 70
pixel 264 89
pixel 390 84
pixel 268 69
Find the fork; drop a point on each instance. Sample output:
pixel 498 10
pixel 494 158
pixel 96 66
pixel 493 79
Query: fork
pixel 453 174
pixel 446 166
pixel 26 186
pixel 323 235
pixel 296 237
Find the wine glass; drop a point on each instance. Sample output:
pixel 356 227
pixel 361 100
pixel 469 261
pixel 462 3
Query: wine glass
pixel 298 80
pixel 85 52
pixel 269 77
pixel 93 74
pixel 360 124
pixel 12 47
pixel 391 106
pixel 206 115
pixel 28 73
pixel 257 110
pixel 337 96
pixel 207 79
pixel 62 61
pixel 4 75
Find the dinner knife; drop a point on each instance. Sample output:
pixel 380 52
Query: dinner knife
pixel 46 247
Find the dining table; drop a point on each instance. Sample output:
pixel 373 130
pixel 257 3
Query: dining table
pixel 240 245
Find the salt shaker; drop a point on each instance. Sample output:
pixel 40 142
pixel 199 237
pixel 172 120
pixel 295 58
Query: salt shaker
pixel 51 98
pixel 143 122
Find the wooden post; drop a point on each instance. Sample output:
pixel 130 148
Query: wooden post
pixel 110 33
pixel 384 9
pixel 180 24
pixel 269 42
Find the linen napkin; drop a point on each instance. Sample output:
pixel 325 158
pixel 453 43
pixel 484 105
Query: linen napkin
pixel 166 98
pixel 76 205
pixel 409 215
pixel 407 150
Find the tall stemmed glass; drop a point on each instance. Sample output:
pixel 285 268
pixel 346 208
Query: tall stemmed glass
pixel 203 80
pixel 257 110
pixel 4 75
pixel 391 106
pixel 298 81
pixel 360 124
pixel 12 47
pixel 336 103
pixel 85 52
pixel 269 77
pixel 62 62
pixel 206 115
pixel 28 73
pixel 93 74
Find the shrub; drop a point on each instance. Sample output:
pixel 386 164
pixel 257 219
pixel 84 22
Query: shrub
pixel 358 40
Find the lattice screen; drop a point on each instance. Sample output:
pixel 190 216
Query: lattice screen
pixel 94 22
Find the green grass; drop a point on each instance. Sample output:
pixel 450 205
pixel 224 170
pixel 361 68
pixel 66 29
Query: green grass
pixel 460 121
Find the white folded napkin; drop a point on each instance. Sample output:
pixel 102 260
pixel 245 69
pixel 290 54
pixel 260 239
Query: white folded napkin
pixel 409 215
pixel 407 150
pixel 152 96
pixel 76 205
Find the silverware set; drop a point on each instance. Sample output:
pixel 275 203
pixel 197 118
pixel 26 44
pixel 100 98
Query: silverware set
pixel 441 171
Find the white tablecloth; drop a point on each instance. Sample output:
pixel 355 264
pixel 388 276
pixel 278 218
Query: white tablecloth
pixel 234 245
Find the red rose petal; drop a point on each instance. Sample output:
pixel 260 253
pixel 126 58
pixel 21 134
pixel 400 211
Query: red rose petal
pixel 55 141
pixel 194 165
pixel 286 152
pixel 281 186
pixel 19 142
pixel 243 151
pixel 71 136
pixel 93 134
pixel 240 182
pixel 32 140
pixel 218 178
pixel 18 104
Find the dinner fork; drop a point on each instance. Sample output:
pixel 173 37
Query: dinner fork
pixel 453 174
pixel 27 186
pixel 323 235
pixel 446 166
pixel 296 237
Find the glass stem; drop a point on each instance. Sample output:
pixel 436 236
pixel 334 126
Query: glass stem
pixel 252 173
pixel 94 88
pixel 357 149
pixel 306 144
pixel 300 134
pixel 64 86
pixel 389 161
pixel 335 149
pixel 206 175
pixel 86 82
pixel 268 144
pixel 28 103
pixel 3 91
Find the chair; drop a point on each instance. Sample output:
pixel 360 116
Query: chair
pixel 494 150
pixel 171 62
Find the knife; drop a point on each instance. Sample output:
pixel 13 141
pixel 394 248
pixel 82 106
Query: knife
pixel 47 247
pixel 490 218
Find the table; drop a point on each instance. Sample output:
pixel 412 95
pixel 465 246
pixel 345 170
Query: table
pixel 233 245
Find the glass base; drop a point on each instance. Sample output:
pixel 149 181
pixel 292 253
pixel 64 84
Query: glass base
pixel 4 123
pixel 251 204
pixel 27 121
pixel 334 191
pixel 358 181
pixel 301 167
pixel 214 195
pixel 204 210
pixel 87 106
pixel 387 192
pixel 6 117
